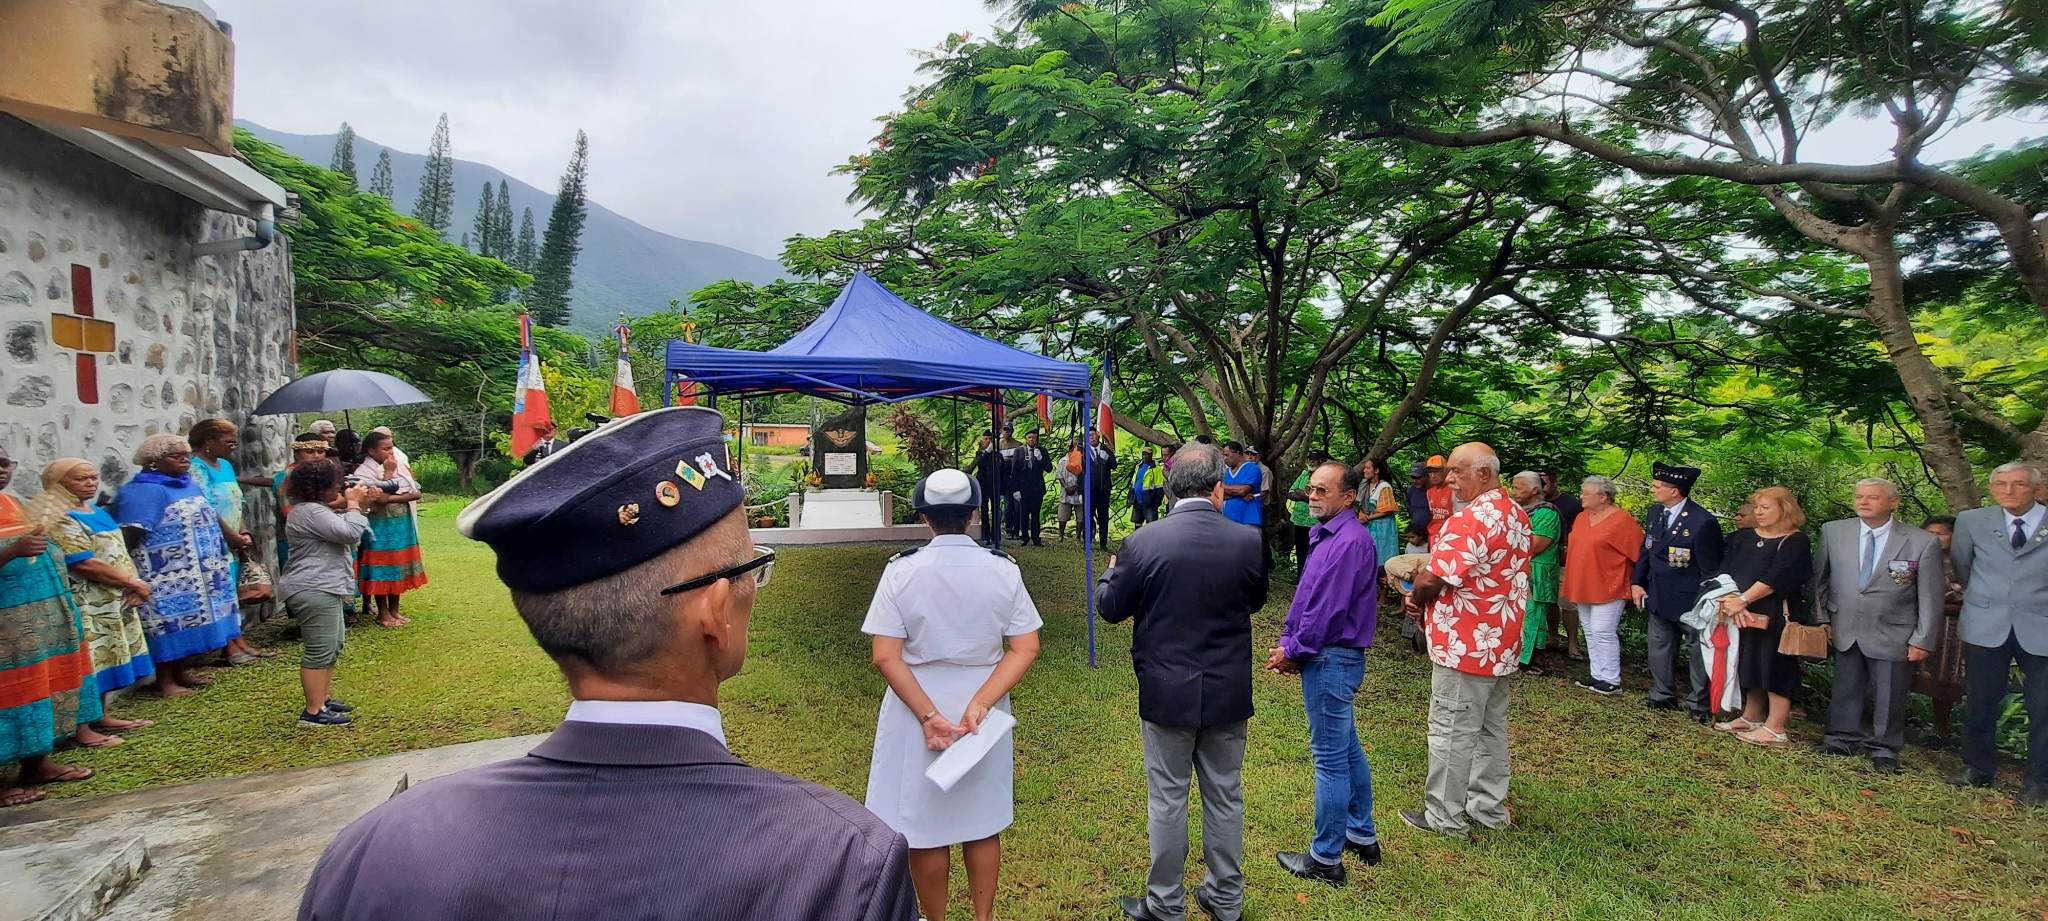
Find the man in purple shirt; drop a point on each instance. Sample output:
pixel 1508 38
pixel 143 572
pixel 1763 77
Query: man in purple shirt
pixel 1328 628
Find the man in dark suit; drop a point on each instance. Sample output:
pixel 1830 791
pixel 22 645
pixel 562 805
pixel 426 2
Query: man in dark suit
pixel 1030 466
pixel 1189 583
pixel 987 468
pixel 1101 491
pixel 1681 546
pixel 628 558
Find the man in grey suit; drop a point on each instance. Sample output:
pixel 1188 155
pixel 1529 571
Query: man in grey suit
pixel 1880 582
pixel 2001 557
pixel 628 559
pixel 1189 584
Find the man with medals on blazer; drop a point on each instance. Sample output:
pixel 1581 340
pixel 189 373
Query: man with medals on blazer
pixel 1681 546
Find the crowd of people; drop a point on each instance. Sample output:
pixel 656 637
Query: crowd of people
pixel 147 587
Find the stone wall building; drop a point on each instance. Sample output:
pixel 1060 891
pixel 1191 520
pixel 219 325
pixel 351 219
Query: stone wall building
pixel 143 285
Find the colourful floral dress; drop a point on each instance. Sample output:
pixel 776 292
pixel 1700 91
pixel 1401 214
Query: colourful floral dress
pixel 391 563
pixel 224 493
pixel 113 630
pixel 46 680
pixel 186 562
pixel 1482 555
pixel 1544 521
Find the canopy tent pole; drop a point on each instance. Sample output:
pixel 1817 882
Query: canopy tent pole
pixel 1088 527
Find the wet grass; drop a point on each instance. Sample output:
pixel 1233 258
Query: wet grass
pixel 1621 814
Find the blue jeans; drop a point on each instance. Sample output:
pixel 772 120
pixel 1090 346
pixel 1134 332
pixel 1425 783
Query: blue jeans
pixel 1329 685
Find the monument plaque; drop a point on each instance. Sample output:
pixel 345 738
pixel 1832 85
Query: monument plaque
pixel 839 450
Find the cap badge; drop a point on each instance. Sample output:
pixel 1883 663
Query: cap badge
pixel 629 514
pixel 689 474
pixel 709 466
pixel 668 494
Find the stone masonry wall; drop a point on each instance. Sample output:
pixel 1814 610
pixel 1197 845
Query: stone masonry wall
pixel 194 336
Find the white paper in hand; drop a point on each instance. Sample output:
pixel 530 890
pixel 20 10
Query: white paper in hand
pixel 968 750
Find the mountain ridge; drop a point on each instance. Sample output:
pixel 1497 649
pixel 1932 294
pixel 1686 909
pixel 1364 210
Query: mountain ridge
pixel 625 266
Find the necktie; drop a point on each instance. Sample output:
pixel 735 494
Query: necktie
pixel 1662 523
pixel 2019 533
pixel 1869 554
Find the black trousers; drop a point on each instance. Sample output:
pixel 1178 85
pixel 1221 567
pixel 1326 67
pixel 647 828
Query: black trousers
pixel 991 514
pixel 1300 545
pixel 1014 522
pixel 1033 510
pixel 1986 677
pixel 1101 513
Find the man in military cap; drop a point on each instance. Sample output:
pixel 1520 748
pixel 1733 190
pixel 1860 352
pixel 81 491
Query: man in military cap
pixel 1681 546
pixel 628 559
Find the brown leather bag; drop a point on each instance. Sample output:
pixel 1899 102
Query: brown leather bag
pixel 1804 641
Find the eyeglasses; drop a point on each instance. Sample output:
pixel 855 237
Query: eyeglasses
pixel 1320 491
pixel 762 566
pixel 6 463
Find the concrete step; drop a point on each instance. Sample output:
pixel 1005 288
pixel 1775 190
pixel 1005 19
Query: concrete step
pixel 70 881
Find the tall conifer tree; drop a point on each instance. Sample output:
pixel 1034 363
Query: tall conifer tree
pixel 380 175
pixel 344 161
pixel 549 298
pixel 501 229
pixel 484 224
pixel 435 206
pixel 526 250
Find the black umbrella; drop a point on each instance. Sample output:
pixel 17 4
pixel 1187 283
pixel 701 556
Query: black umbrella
pixel 342 389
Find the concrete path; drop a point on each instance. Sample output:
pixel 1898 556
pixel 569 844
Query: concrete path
pixel 238 848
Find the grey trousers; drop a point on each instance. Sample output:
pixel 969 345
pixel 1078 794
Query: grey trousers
pixel 1468 751
pixel 1888 686
pixel 1215 755
pixel 1668 642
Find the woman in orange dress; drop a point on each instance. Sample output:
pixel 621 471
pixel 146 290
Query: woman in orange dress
pixel 1600 558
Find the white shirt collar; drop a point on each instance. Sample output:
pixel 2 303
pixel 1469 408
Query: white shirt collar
pixel 2032 517
pixel 1676 507
pixel 650 713
pixel 952 540
pixel 1882 531
pixel 1179 504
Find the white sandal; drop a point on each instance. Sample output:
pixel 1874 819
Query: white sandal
pixel 1766 737
pixel 1737 725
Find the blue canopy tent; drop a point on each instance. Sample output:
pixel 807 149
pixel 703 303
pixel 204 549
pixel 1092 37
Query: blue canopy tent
pixel 871 346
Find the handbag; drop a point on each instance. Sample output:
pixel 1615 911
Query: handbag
pixel 255 585
pixel 1805 641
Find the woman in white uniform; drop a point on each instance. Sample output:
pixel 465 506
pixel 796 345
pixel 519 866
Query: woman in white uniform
pixel 940 621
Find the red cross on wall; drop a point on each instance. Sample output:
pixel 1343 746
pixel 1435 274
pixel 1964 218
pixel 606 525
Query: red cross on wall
pixel 81 333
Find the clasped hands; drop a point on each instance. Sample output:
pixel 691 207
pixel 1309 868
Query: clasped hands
pixel 940 733
pixel 1279 662
pixel 1735 609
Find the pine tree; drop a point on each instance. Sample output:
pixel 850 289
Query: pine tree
pixel 525 252
pixel 380 175
pixel 501 230
pixel 435 206
pixel 549 298
pixel 465 239
pixel 484 226
pixel 344 161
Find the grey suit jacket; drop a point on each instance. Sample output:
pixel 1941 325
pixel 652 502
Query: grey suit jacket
pixel 2005 590
pixel 1901 604
pixel 610 821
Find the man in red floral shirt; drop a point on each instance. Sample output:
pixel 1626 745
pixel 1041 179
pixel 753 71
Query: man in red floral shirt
pixel 1470 602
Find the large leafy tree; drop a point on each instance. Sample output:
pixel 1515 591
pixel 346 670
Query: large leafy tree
pixel 1732 91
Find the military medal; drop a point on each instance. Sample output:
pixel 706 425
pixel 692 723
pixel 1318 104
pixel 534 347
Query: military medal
pixel 667 493
pixel 629 514
pixel 689 474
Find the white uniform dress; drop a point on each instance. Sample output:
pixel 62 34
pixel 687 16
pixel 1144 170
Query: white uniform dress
pixel 951 602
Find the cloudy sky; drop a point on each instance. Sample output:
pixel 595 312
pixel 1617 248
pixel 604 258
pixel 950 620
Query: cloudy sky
pixel 712 121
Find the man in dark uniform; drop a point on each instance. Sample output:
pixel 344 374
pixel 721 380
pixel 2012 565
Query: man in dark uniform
pixel 628 558
pixel 1028 471
pixel 1681 546
pixel 987 468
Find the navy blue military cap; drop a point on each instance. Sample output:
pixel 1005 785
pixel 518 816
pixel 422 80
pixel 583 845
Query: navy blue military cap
pixel 618 497
pixel 1676 474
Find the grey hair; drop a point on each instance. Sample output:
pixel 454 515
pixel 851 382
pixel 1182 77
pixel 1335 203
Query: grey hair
pixel 156 447
pixel 1487 459
pixel 323 425
pixel 2033 475
pixel 1532 476
pixel 1603 484
pixel 621 621
pixel 1890 487
pixel 1197 468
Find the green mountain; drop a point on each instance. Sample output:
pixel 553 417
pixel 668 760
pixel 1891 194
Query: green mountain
pixel 624 267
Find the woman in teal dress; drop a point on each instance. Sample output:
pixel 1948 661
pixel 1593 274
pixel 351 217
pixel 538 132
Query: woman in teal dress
pixel 212 441
pixel 47 692
pixel 1546 526
pixel 1377 507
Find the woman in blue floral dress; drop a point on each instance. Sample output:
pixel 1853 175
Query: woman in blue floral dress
pixel 179 549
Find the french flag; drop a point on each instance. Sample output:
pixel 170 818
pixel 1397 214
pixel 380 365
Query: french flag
pixel 625 400
pixel 1105 429
pixel 530 419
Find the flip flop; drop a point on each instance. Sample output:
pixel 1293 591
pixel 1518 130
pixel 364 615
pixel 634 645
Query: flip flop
pixel 124 725
pixel 1766 737
pixel 106 741
pixel 70 775
pixel 265 653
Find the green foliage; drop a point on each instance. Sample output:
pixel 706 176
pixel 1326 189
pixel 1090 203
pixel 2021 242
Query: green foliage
pixel 435 204
pixel 549 297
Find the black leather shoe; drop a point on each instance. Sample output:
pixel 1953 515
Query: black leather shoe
pixel 2034 795
pixel 1884 765
pixel 1306 867
pixel 1836 750
pixel 1416 819
pixel 1134 908
pixel 1701 717
pixel 1370 853
pixel 1969 779
pixel 1660 704
pixel 1203 901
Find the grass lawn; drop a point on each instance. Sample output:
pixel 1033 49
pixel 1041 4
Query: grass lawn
pixel 1622 814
